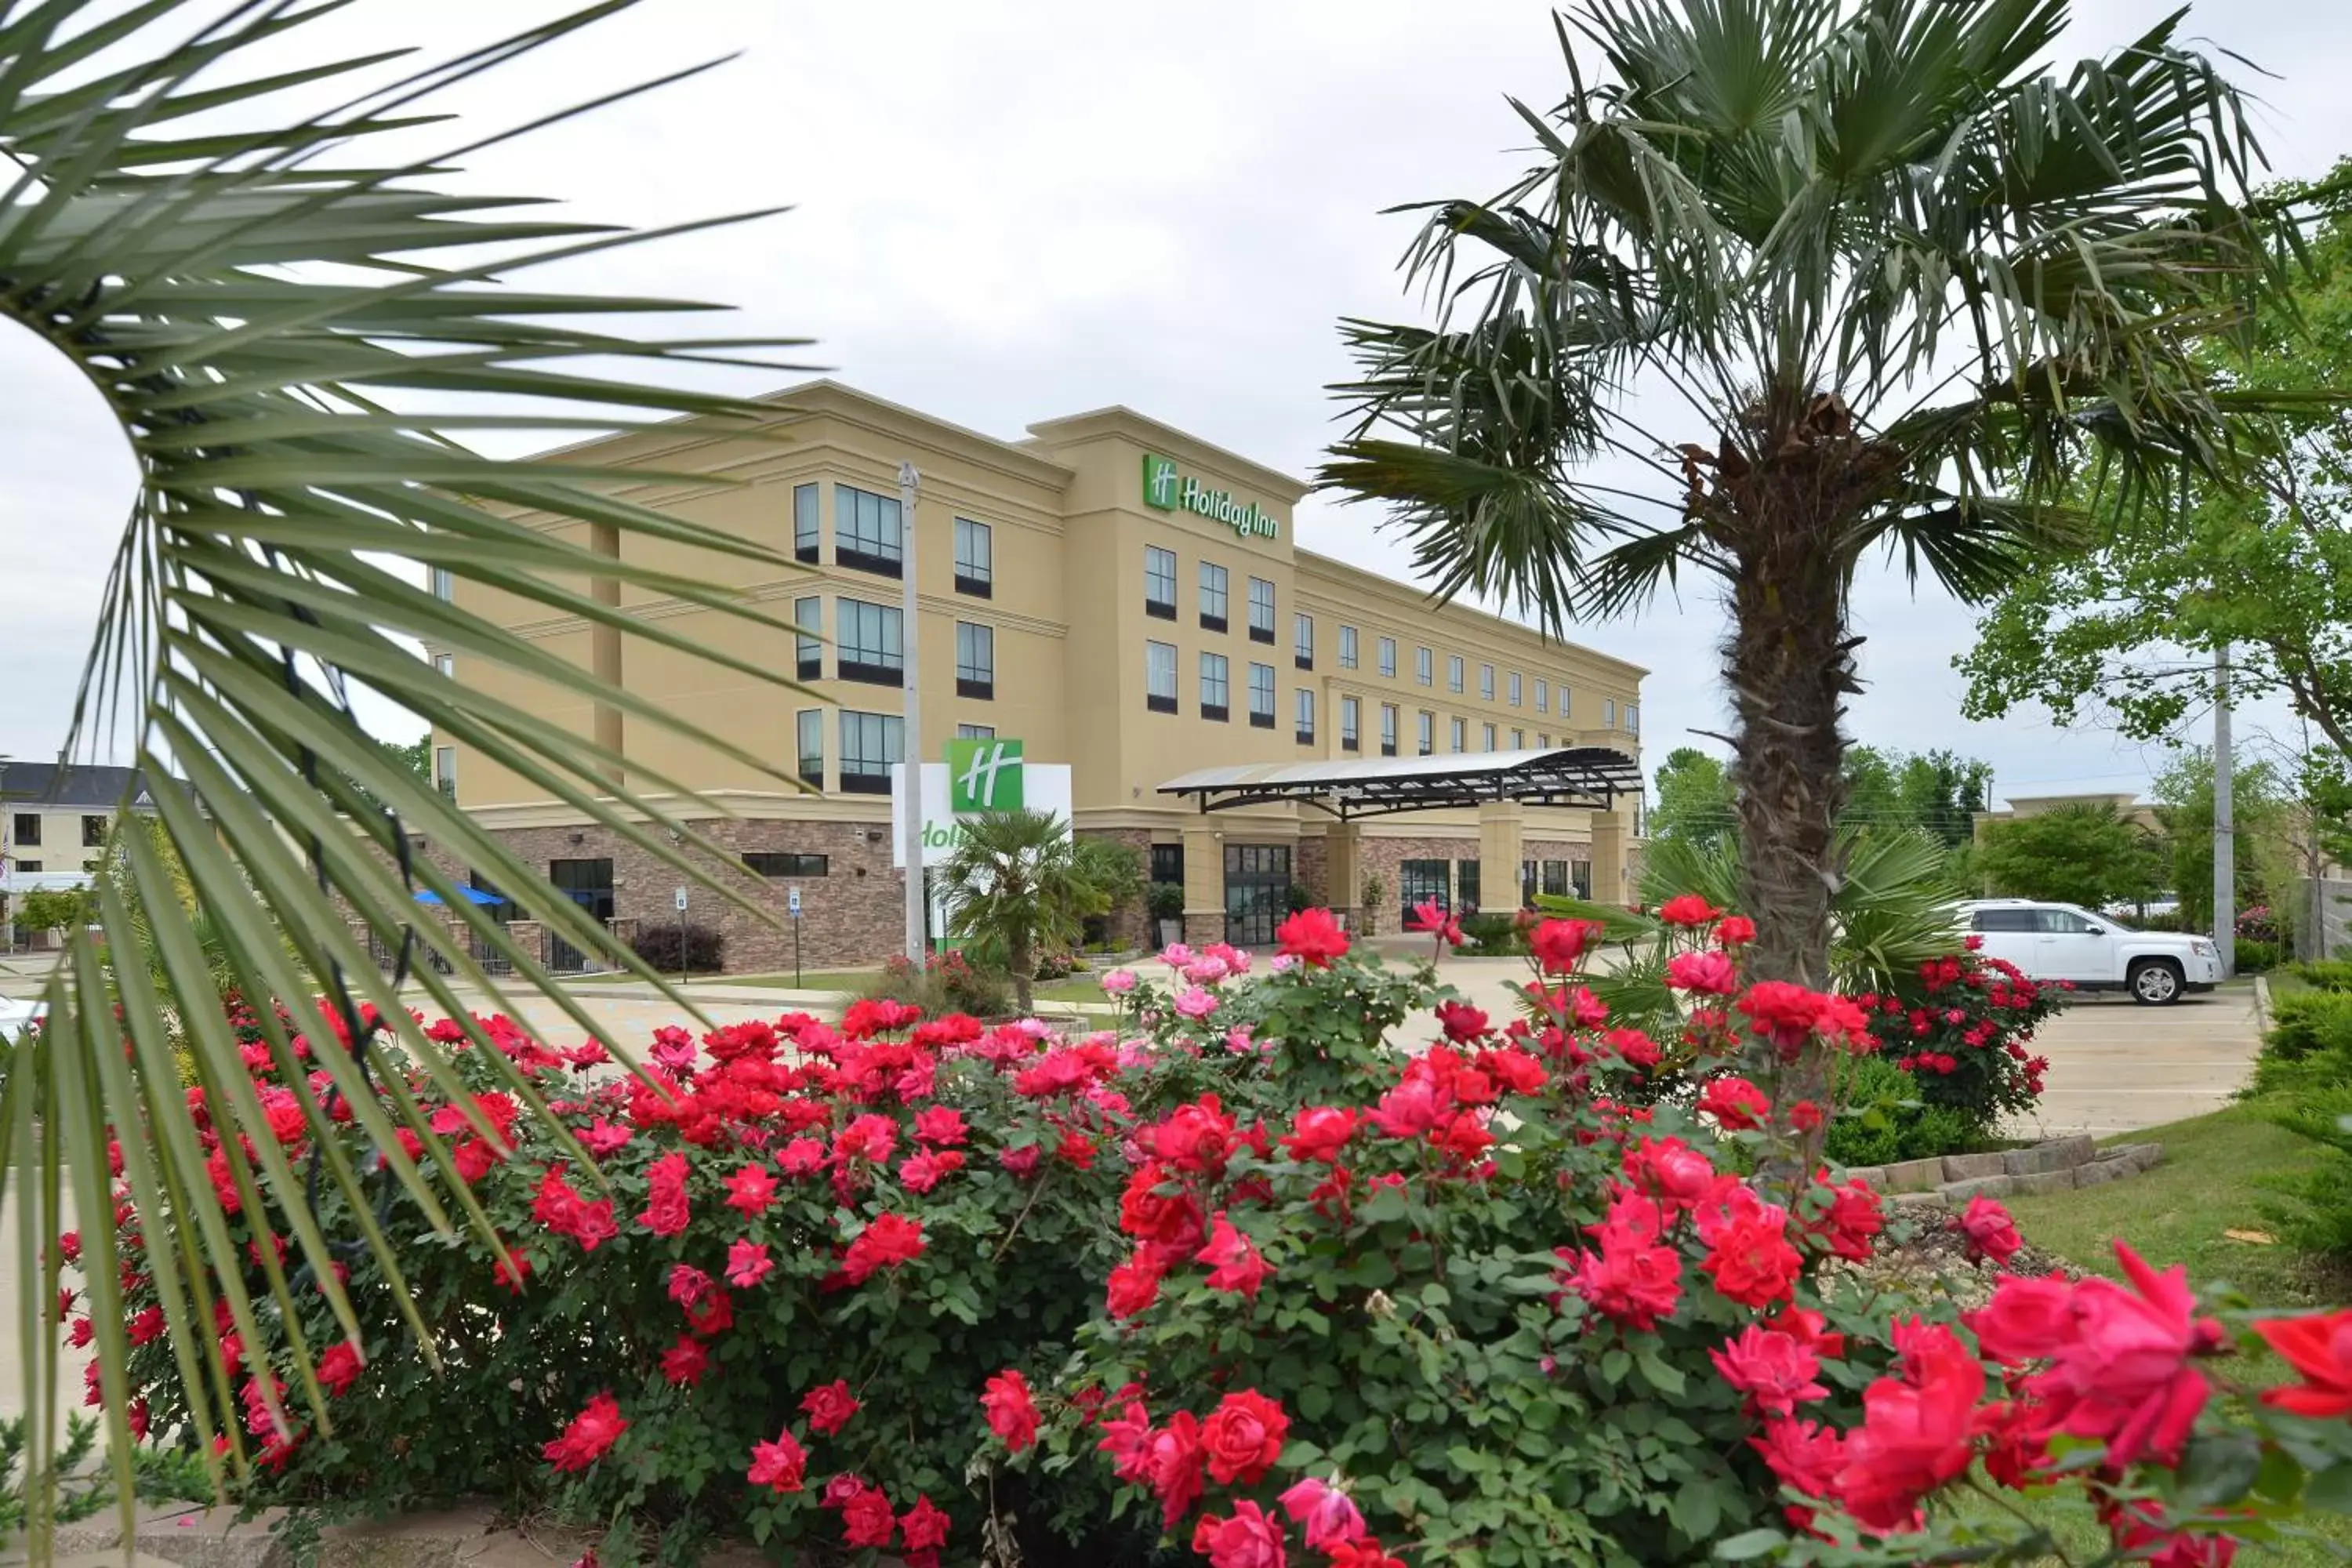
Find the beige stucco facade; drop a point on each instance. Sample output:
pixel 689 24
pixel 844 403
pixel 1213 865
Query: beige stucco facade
pixel 1075 598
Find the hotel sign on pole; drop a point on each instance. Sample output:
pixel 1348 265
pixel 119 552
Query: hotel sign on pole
pixel 1165 488
pixel 978 776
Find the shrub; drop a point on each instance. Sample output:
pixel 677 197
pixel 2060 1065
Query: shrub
pixel 2309 1041
pixel 1960 1028
pixel 2253 957
pixel 694 949
pixel 947 983
pixel 1496 934
pixel 1166 902
pixel 2326 973
pixel 1883 1119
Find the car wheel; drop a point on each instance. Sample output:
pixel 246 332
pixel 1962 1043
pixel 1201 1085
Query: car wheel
pixel 2156 982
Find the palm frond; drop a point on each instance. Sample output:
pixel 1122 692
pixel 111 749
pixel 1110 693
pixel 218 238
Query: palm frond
pixel 279 326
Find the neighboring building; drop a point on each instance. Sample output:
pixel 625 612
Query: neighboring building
pixel 2126 804
pixel 1116 593
pixel 54 822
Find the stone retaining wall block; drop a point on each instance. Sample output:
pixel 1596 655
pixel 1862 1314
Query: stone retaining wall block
pixel 1914 1175
pixel 1969 1167
pixel 2036 1183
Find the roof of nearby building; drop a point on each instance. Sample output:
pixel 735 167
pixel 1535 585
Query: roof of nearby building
pixel 85 785
pixel 1589 776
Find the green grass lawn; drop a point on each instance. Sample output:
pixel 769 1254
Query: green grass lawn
pixel 2181 1211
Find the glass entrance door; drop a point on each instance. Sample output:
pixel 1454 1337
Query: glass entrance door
pixel 1422 882
pixel 589 884
pixel 1258 885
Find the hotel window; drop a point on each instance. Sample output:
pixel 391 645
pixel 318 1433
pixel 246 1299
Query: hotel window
pixel 1216 687
pixel 975 732
pixel 781 863
pixel 1554 877
pixel 1261 593
pixel 866 531
pixel 1167 864
pixel 1428 731
pixel 28 866
pixel 445 779
pixel 1213 597
pixel 93 828
pixel 1260 684
pixel 1159 581
pixel 1424 666
pixel 870 743
pixel 1543 695
pixel 1487 734
pixel 1302 641
pixel 975 660
pixel 1515 688
pixel 1388 658
pixel 869 648
pixel 1454 672
pixel 1633 720
pixel 445 584
pixel 1159 676
pixel 975 558
pixel 804 523
pixel 1519 740
pixel 808 647
pixel 1458 731
pixel 1486 681
pixel 1306 714
pixel 811 738
pixel 1350 714
pixel 1388 729
pixel 1608 712
pixel 444 665
pixel 1564 699
pixel 1543 742
pixel 28 829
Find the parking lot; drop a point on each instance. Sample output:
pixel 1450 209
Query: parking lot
pixel 2115 1066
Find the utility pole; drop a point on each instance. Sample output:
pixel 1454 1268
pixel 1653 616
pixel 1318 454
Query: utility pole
pixel 2225 855
pixel 910 727
pixel 7 864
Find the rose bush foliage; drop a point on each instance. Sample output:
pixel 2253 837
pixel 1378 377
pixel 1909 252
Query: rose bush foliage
pixel 1241 1280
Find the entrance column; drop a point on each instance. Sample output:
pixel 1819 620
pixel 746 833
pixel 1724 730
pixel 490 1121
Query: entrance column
pixel 1502 845
pixel 1609 858
pixel 1205 885
pixel 1343 870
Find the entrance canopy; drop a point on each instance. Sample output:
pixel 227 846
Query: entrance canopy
pixel 1586 777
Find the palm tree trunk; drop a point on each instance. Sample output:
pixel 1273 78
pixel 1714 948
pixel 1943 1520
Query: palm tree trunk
pixel 1024 972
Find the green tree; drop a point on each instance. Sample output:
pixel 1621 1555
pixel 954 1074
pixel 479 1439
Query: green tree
pixel 2129 628
pixel 2085 855
pixel 299 323
pixel 2260 811
pixel 416 755
pixel 55 908
pixel 1695 802
pixel 1905 280
pixel 1114 872
pixel 1015 888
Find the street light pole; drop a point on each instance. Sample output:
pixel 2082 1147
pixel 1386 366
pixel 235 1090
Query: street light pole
pixel 2225 827
pixel 7 863
pixel 910 726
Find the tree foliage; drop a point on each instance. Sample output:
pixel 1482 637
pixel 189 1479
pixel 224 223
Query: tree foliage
pixel 2261 817
pixel 2128 627
pixel 1933 792
pixel 1695 800
pixel 2080 854
pixel 1016 888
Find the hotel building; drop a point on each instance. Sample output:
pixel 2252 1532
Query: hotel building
pixel 1116 593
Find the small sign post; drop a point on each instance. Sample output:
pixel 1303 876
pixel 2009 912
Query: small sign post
pixel 679 898
pixel 793 908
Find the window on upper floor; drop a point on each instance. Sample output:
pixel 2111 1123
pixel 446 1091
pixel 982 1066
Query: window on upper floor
pixel 868 531
pixel 1424 666
pixel 975 660
pixel 1159 676
pixel 870 743
pixel 1261 696
pixel 1302 641
pixel 975 558
pixel 1159 581
pixel 1261 610
pixel 808 645
pixel 1388 657
pixel 28 828
pixel 445 774
pixel 1428 736
pixel 1454 672
pixel 1458 731
pixel 1515 688
pixel 1388 729
pixel 806 524
pixel 445 583
pixel 809 743
pixel 1633 720
pixel 1216 687
pixel 975 732
pixel 444 665
pixel 1213 597
pixel 867 646
pixel 1305 706
pixel 93 828
pixel 1346 647
pixel 1350 714
pixel 1486 681
pixel 1486 735
pixel 1543 695
pixel 1608 712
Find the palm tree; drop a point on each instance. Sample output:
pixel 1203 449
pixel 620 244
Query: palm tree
pixel 1887 282
pixel 298 335
pixel 1015 886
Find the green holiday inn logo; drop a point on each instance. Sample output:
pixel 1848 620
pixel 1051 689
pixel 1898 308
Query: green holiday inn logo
pixel 983 775
pixel 1166 489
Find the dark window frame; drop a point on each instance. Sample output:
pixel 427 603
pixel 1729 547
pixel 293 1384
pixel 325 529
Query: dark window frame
pixel 862 782
pixel 27 829
pixel 979 583
pixel 778 863
pixel 975 684
pixel 849 643
pixel 808 529
pixel 1164 609
pixel 808 643
pixel 849 545
pixel 1261 632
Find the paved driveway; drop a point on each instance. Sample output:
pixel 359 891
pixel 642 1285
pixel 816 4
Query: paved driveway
pixel 2115 1066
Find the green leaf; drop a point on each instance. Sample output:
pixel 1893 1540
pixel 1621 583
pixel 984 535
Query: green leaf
pixel 1748 1544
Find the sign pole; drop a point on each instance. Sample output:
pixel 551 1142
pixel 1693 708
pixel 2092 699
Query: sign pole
pixel 910 742
pixel 680 901
pixel 793 906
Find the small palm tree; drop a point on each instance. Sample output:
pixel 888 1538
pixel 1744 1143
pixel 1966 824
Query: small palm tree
pixel 1015 886
pixel 1887 282
pixel 298 337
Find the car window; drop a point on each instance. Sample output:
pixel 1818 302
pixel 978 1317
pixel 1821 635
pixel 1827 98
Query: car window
pixel 2062 923
pixel 2003 920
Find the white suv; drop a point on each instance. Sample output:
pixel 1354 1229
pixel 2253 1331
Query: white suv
pixel 2061 941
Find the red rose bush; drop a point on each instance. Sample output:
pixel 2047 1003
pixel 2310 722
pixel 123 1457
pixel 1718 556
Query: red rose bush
pixel 1242 1280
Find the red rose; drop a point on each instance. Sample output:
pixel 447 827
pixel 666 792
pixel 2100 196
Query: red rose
pixel 1735 1103
pixel 924 1527
pixel 1312 936
pixel 1773 1370
pixel 829 1408
pixel 1012 1414
pixel 941 1125
pixel 592 1431
pixel 1243 1437
pixel 340 1366
pixel 1134 1285
pixel 1249 1537
pixel 1918 1432
pixel 1706 973
pixel 886 1241
pixel 1319 1132
pixel 684 1362
pixel 867 1520
pixel 1171 1461
pixel 781 1466
pixel 1235 1265
pixel 1560 945
pixel 1990 1232
pixel 1749 1259
pixel 1195 1137
pixel 748 1263
pixel 1688 910
pixel 667 1213
pixel 2319 1347
pixel 750 1190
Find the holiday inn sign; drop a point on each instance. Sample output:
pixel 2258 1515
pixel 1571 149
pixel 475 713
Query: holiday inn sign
pixel 1169 491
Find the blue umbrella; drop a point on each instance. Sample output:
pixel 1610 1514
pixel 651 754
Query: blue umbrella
pixel 471 895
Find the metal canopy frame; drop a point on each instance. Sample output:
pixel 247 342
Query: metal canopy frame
pixel 1588 778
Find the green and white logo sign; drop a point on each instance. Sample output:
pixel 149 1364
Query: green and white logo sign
pixel 1168 491
pixel 983 775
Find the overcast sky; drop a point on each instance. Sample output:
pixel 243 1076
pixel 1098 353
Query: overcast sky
pixel 1008 212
